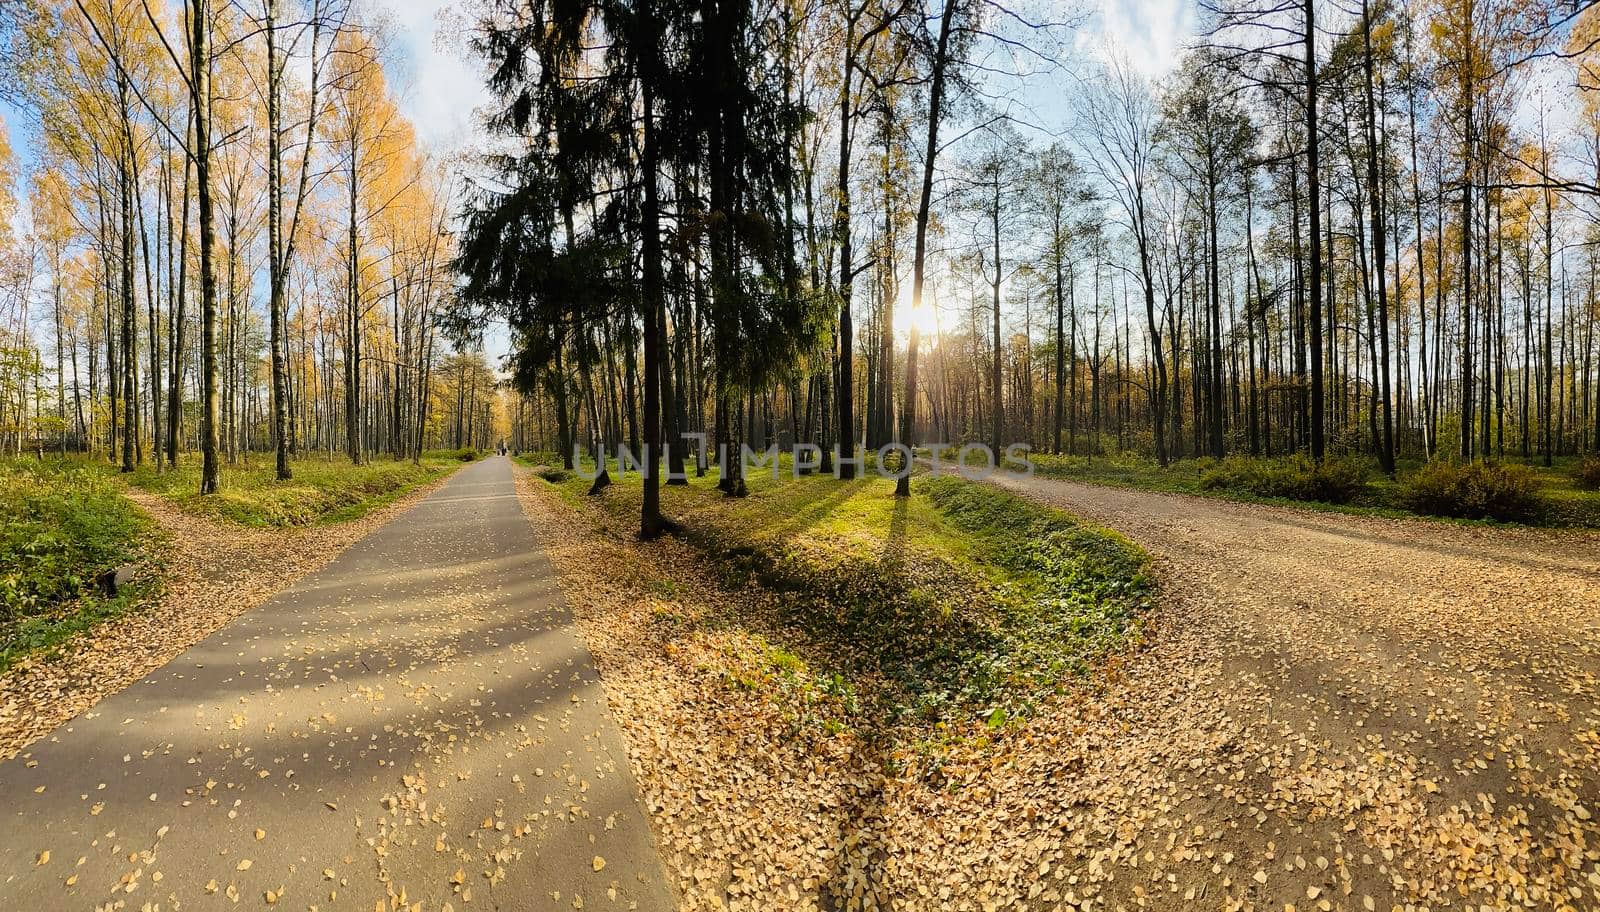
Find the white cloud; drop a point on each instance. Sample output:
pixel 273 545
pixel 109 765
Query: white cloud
pixel 1152 33
pixel 440 88
pixel 439 83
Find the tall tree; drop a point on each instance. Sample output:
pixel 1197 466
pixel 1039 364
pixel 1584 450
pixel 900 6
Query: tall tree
pixel 946 54
pixel 1121 120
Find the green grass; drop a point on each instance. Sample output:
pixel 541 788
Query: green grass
pixel 1562 502
pixel 321 491
pixel 961 602
pixel 1566 503
pixel 62 524
pixel 539 457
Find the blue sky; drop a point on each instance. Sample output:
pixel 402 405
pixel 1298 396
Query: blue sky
pixel 438 82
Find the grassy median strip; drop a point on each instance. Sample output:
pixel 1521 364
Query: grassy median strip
pixel 960 602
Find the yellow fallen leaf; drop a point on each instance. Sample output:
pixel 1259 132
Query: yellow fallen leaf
pixel 243 865
pixel 599 863
pixel 44 857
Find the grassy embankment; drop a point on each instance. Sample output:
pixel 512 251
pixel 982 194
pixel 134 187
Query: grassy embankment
pixel 62 525
pixel 321 491
pixel 959 604
pixel 65 523
pixel 1557 498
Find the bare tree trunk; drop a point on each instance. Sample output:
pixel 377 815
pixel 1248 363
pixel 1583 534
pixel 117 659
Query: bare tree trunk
pixel 200 83
pixel 651 523
pixel 1314 214
pixel 130 360
pixel 841 230
pixel 352 358
pixel 997 417
pixel 1379 253
pixel 178 317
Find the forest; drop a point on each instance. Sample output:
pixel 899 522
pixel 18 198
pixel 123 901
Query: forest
pixel 1365 234
pixel 844 240
pixel 233 243
pixel 497 454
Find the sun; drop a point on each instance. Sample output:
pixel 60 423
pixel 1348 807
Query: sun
pixel 925 318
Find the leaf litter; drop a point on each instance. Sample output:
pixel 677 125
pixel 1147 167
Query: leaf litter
pixel 1330 712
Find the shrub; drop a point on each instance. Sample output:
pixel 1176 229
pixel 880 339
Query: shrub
pixel 467 454
pixel 1586 474
pixel 1479 490
pixel 1334 481
pixel 60 527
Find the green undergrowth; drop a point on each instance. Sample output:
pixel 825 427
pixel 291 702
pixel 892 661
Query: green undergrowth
pixel 64 523
pixel 1556 495
pixel 1332 481
pixel 321 491
pixel 805 698
pixel 1479 490
pixel 960 604
pixel 546 465
pixel 539 457
pixel 1586 473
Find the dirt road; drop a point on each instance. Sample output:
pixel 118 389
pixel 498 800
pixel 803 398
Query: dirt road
pixel 1335 712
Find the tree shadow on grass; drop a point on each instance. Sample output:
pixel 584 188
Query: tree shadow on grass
pixel 855 877
pixel 858 621
pixel 893 560
pixel 814 512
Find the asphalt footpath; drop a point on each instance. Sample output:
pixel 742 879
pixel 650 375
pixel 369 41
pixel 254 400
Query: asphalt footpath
pixel 417 726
